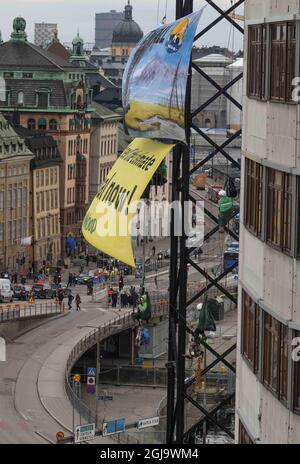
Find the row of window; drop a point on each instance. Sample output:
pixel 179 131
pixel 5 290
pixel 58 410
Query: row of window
pixel 71 171
pixel 78 145
pixel 41 124
pixel 266 349
pixel 47 226
pixel 72 218
pixel 70 195
pixel 16 229
pixel 10 75
pixel 272 61
pixel 276 187
pixel 11 148
pixel 80 194
pixel 46 153
pixel 109 145
pixel 46 201
pixel 45 177
pixel 42 99
pixel 14 171
pixel 17 197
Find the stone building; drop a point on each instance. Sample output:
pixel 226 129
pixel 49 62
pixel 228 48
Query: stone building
pixel 15 205
pixel 104 145
pixel 45 198
pixel 45 93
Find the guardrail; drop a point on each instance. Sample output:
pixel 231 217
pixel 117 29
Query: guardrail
pixel 160 307
pixel 16 312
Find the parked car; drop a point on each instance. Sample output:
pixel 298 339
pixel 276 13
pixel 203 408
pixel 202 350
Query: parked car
pixel 84 278
pixel 6 293
pixel 43 291
pixel 20 292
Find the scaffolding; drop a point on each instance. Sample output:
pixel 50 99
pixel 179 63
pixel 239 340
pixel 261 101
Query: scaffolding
pixel 178 385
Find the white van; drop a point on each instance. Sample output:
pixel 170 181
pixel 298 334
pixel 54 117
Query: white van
pixel 6 293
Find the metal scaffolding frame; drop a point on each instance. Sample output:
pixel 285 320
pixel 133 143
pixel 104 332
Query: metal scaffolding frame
pixel 178 385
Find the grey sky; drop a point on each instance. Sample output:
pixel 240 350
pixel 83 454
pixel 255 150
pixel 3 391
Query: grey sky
pixel 71 14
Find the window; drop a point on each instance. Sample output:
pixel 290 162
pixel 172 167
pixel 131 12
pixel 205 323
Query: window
pixel 275 358
pixel 42 124
pixel 253 196
pixel 20 98
pixel 244 438
pixel 283 60
pixel 53 124
pixel 296 376
pixel 27 75
pixel 279 209
pixel 43 99
pixel 31 124
pixel 250 331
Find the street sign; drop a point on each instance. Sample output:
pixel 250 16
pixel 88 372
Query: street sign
pixel 77 378
pixel 84 432
pixel 91 381
pixel 60 436
pixel 151 422
pixel 113 427
pixel 91 389
pixel 91 372
pixel 105 398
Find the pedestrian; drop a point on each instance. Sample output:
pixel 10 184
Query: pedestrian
pixel 87 260
pixel 70 300
pixel 153 251
pixel 78 302
pixel 114 299
pixel 23 280
pixel 121 283
pixel 70 280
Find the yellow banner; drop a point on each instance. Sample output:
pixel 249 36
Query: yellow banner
pixel 107 224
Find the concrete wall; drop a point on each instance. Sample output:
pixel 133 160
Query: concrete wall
pixel 270 135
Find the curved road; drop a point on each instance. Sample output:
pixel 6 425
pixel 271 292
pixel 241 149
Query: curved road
pixel 23 419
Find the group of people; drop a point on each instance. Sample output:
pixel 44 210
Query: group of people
pixel 72 280
pixel 126 299
pixel 77 301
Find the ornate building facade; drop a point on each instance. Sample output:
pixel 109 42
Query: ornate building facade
pixel 15 205
pixel 47 94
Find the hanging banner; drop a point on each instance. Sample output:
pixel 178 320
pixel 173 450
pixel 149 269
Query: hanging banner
pixel 108 223
pixel 155 81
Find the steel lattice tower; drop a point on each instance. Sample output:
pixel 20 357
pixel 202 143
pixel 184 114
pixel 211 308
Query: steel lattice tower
pixel 178 385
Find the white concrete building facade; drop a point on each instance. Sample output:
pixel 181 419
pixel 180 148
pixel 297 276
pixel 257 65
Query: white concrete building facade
pixel 268 373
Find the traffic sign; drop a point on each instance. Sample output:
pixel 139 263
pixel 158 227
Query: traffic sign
pixel 113 427
pixel 77 378
pixel 91 381
pixel 60 436
pixel 91 372
pixel 151 422
pixel 84 432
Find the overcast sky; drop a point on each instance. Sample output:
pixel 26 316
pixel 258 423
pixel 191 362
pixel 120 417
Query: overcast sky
pixel 73 14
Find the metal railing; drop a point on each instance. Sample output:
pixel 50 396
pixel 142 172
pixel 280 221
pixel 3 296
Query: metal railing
pixel 17 312
pixel 160 307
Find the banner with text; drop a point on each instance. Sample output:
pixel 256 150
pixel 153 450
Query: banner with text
pixel 108 223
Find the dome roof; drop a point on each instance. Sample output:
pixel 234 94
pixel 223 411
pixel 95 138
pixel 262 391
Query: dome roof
pixel 127 31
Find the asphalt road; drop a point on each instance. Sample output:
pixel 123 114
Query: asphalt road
pixel 22 416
